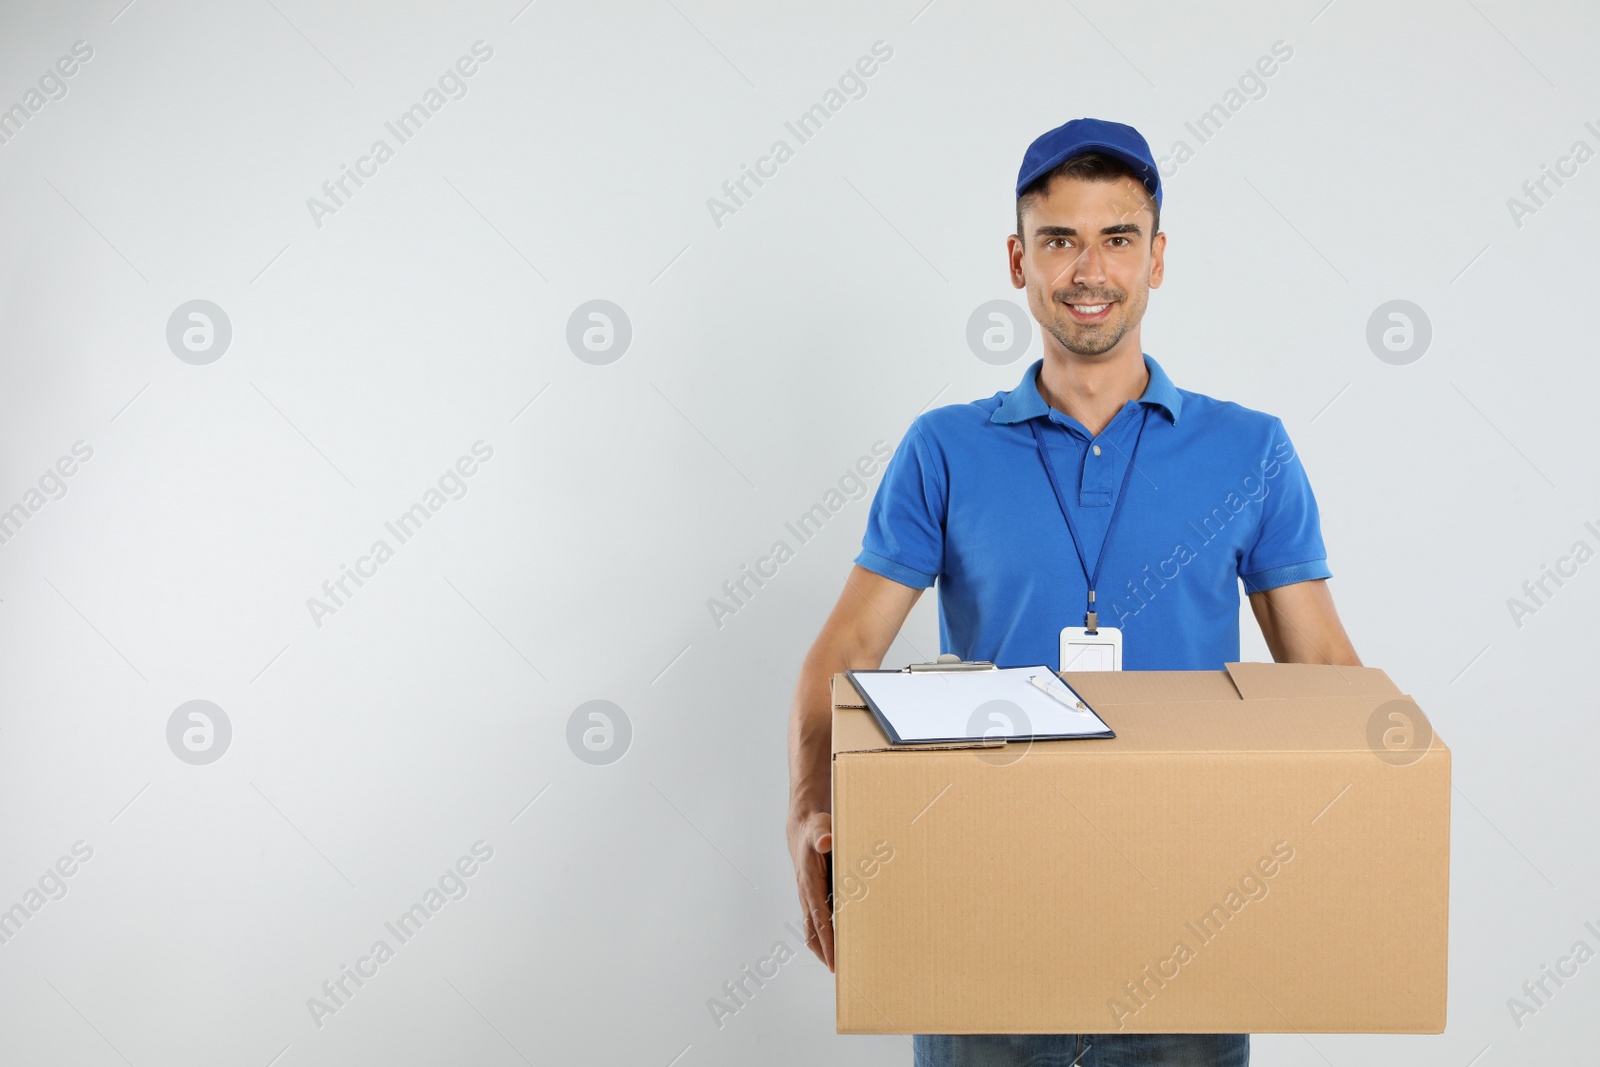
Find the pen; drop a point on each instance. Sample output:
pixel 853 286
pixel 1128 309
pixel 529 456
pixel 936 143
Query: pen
pixel 1045 687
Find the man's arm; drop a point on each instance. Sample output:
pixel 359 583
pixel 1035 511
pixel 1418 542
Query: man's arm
pixel 1301 624
pixel 856 636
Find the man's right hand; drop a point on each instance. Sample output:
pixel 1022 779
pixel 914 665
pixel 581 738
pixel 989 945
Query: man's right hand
pixel 810 842
pixel 860 630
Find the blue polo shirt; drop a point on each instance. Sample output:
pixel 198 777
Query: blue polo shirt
pixel 1217 496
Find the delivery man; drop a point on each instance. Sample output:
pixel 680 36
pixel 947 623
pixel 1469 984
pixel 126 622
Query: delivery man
pixel 1094 495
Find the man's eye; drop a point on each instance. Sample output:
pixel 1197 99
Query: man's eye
pixel 1124 241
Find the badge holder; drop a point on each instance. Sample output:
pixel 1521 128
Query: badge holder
pixel 1091 647
pixel 1083 649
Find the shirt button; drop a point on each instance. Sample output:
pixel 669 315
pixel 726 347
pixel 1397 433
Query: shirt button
pixel 1097 450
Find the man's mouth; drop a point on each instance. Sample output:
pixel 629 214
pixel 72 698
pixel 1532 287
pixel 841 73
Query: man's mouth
pixel 1090 312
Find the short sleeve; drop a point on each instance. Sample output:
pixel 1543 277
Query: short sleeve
pixel 904 541
pixel 1288 545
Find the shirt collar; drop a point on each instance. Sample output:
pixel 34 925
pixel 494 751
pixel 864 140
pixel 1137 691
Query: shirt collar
pixel 1024 402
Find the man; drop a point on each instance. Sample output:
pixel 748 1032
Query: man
pixel 1094 495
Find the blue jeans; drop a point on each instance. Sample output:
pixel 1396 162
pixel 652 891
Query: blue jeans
pixel 1081 1050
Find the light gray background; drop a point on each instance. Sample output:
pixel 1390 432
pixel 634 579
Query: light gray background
pixel 768 355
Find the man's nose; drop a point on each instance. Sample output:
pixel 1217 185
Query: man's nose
pixel 1088 269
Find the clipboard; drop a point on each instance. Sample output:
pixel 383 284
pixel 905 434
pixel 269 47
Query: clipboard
pixel 977 705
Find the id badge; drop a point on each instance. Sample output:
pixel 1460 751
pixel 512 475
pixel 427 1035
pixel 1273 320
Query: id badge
pixel 1091 650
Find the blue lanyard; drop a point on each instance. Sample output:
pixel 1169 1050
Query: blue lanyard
pixel 1091 619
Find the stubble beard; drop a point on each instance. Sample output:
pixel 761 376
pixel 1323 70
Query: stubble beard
pixel 1092 340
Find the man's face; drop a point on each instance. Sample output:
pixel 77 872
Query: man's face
pixel 1087 261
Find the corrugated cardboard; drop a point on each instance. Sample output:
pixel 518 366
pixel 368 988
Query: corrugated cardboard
pixel 1262 849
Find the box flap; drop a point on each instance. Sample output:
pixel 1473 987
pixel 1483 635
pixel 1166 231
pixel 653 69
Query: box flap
pixel 845 693
pixel 1150 687
pixel 855 730
pixel 1267 680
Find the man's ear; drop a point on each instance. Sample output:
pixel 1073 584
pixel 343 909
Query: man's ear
pixel 1014 250
pixel 1158 262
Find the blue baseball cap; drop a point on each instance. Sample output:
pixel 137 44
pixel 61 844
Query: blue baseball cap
pixel 1079 136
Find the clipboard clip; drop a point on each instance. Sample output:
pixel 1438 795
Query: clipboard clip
pixel 949 662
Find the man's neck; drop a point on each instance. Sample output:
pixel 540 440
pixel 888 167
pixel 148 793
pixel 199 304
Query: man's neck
pixel 1092 391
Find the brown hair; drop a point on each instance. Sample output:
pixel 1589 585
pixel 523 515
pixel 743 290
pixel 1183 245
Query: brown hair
pixel 1089 167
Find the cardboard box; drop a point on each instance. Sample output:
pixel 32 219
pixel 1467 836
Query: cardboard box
pixel 1262 849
